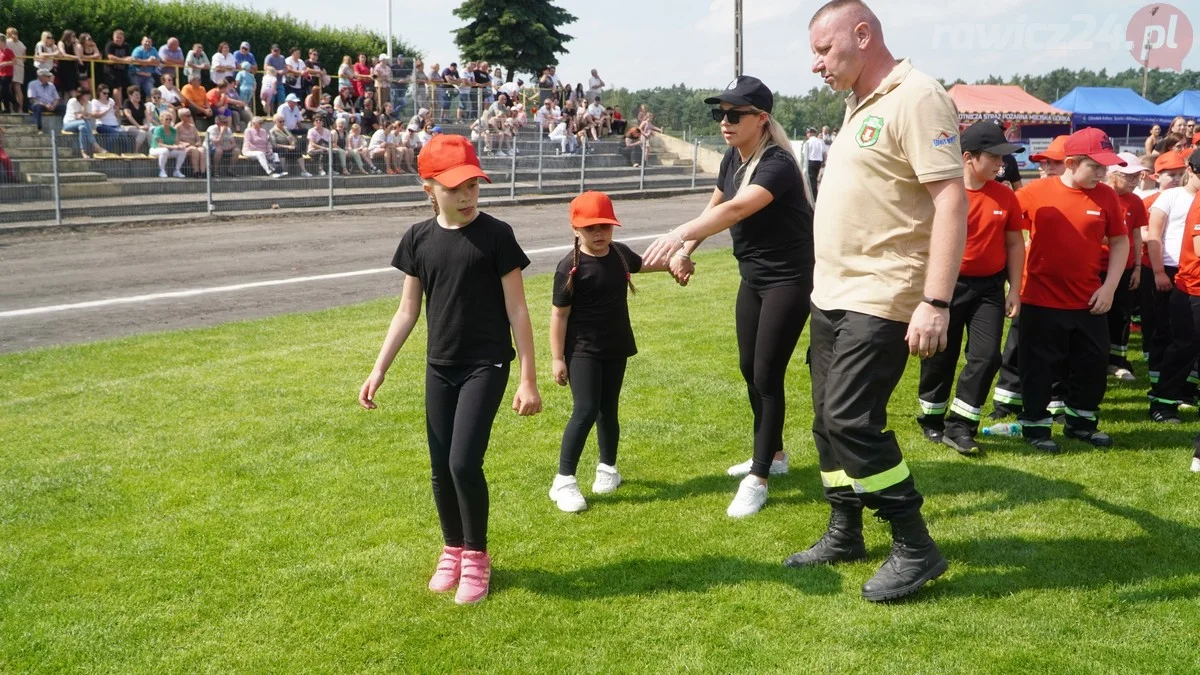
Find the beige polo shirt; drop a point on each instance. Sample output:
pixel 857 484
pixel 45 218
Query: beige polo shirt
pixel 874 215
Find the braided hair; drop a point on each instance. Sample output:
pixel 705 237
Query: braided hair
pixel 570 283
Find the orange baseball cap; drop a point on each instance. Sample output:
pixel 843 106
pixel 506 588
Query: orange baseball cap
pixel 1171 160
pixel 592 208
pixel 450 160
pixel 1057 152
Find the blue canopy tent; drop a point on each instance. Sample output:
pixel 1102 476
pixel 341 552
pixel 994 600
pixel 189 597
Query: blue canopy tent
pixel 1110 108
pixel 1185 104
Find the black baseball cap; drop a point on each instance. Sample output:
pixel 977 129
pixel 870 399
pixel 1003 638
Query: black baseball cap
pixel 984 136
pixel 745 90
pixel 1194 161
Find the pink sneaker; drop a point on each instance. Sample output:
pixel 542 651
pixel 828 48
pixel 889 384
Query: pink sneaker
pixel 476 573
pixel 446 576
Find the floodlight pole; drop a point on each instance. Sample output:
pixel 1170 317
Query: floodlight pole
pixel 389 31
pixel 737 38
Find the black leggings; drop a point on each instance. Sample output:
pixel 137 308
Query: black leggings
pixel 596 389
pixel 460 405
pixel 769 323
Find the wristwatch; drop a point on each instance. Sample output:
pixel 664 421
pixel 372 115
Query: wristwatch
pixel 940 304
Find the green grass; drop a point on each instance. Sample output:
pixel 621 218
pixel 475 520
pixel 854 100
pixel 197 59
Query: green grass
pixel 215 500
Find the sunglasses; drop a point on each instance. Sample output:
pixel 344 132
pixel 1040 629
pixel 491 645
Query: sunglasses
pixel 734 116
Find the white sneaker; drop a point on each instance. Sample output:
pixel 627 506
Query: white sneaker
pixel 321 172
pixel 1196 465
pixel 178 174
pixel 778 466
pixel 162 174
pixel 750 497
pixel 607 479
pixel 564 491
pixel 1122 374
pixel 306 174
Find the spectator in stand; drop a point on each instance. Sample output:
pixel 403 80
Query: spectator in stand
pixel 420 85
pixel 648 128
pixel 483 82
pixel 467 101
pixel 45 51
pixel 312 104
pixel 66 72
pixel 595 86
pixel 404 140
pixel 172 57
pixel 256 145
pixel 438 101
pixel 618 120
pixel 599 122
pixel 293 71
pixel 7 61
pixel 18 50
pixel 563 134
pixel 340 143
pixel 143 65
pixel 245 81
pixel 402 72
pixel 450 90
pixel 276 64
pixel 545 85
pixel 634 146
pixel 91 53
pixel 346 74
pixel 357 147
pixel 320 144
pixel 369 118
pixel 287 145
pixel 134 113
pixel 43 97
pixel 239 110
pixel 544 117
pixel 170 93
pixel 155 108
pixel 221 143
pixel 196 62
pixel 382 74
pixel 224 65
pixel 7 175
pixel 292 114
pixel 164 144
pixel 380 146
pixel 314 72
pixel 1154 137
pixel 103 111
pixel 191 141
pixel 344 106
pixel 78 120
pixel 244 56
pixel 419 120
pixel 642 112
pixel 196 100
pixel 362 76
pixel 268 93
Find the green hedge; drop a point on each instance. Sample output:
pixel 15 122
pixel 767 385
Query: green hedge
pixel 208 23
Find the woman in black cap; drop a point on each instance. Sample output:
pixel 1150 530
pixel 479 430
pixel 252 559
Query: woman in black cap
pixel 765 201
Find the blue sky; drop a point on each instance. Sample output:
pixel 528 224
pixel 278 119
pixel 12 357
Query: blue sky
pixel 661 42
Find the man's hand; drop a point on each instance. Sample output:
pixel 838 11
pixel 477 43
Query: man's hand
pixel 927 330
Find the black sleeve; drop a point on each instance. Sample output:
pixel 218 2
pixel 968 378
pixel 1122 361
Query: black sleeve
pixel 777 173
pixel 1012 172
pixel 405 259
pixel 633 260
pixel 724 171
pixel 508 254
pixel 561 296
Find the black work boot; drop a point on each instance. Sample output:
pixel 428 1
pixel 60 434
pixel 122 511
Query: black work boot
pixel 914 560
pixel 842 541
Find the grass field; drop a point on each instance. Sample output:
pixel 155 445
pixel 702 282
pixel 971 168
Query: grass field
pixel 215 500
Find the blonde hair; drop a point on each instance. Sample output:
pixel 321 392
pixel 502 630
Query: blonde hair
pixel 774 135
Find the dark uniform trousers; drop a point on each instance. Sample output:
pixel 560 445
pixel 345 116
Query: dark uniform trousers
pixel 1118 322
pixel 1180 355
pixel 1008 385
pixel 1156 320
pixel 977 307
pixel 856 361
pixel 1073 342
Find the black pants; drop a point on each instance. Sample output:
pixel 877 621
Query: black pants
pixel 1118 323
pixel 1180 355
pixel 856 361
pixel 1156 320
pixel 814 171
pixel 769 323
pixel 7 99
pixel 1072 343
pixel 595 394
pixel 1008 385
pixel 460 405
pixel 977 307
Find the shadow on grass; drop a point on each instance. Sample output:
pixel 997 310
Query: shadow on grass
pixel 642 576
pixel 798 486
pixel 998 566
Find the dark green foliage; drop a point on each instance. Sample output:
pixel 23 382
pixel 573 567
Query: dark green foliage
pixel 520 35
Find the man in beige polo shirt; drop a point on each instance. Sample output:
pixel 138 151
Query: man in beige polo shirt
pixel 889 232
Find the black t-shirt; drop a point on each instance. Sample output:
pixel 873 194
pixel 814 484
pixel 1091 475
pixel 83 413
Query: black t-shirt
pixel 369 121
pixel 599 322
pixel 460 271
pixel 1011 172
pixel 136 111
pixel 117 70
pixel 774 247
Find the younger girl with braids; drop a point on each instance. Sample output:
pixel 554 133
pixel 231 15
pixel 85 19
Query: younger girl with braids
pixel 590 340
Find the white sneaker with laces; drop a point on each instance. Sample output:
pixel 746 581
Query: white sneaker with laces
pixel 1123 374
pixel 750 497
pixel 778 466
pixel 607 479
pixel 1196 465
pixel 162 174
pixel 178 174
pixel 306 174
pixel 564 492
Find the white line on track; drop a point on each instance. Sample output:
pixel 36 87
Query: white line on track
pixel 134 299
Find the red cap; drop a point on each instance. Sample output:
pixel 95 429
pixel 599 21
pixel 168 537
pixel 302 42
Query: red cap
pixel 1169 161
pixel 1095 144
pixel 592 208
pixel 1054 153
pixel 450 160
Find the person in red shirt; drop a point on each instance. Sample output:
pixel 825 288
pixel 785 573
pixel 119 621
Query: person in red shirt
pixel 1124 180
pixel 995 253
pixel 1063 302
pixel 8 62
pixel 1169 170
pixel 1172 388
pixel 1006 400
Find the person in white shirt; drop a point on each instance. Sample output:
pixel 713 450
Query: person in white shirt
pixel 170 93
pixel 295 70
pixel 104 111
pixel 292 114
pixel 223 65
pixel 814 153
pixel 78 119
pixel 565 138
pixel 599 116
pixel 320 143
pixel 595 86
pixel 197 62
pixel 381 147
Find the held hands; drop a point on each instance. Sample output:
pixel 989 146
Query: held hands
pixel 527 401
pixel 662 249
pixel 559 369
pixel 1012 303
pixel 366 395
pixel 1102 299
pixel 927 330
pixel 682 269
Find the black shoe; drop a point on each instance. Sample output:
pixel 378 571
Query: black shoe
pixel 1097 438
pixel 913 562
pixel 999 412
pixel 963 443
pixel 841 542
pixel 1165 417
pixel 932 434
pixel 1044 444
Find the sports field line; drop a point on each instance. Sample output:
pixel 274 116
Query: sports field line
pixel 192 292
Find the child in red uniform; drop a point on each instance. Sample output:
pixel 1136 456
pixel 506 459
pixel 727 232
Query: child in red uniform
pixel 1063 302
pixel 1124 179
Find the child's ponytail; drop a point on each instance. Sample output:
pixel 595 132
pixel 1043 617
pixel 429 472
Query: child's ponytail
pixel 570 285
pixel 625 266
